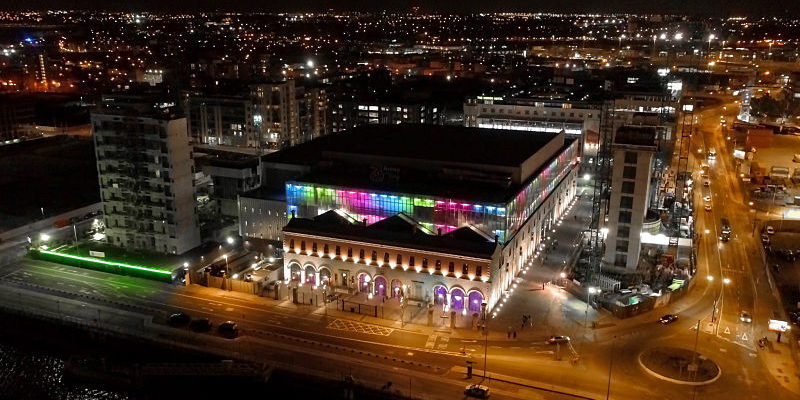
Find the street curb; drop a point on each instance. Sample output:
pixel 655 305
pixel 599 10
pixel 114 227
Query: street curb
pixel 524 382
pixel 676 381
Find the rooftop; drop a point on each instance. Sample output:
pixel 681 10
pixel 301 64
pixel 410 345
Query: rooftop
pixel 448 144
pixel 399 230
pixel 636 136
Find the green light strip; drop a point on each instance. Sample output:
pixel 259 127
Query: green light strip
pixel 109 263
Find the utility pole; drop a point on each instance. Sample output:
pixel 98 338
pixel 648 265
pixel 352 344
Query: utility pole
pixel 694 353
pixel 486 339
pixel 610 365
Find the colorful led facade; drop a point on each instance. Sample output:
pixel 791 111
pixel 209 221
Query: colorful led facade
pixel 434 213
pixel 308 200
pixel 536 191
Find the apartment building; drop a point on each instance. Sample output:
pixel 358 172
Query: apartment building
pixel 145 169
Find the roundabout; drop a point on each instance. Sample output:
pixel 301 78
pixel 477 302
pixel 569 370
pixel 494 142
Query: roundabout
pixel 679 366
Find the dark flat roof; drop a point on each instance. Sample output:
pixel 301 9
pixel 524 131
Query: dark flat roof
pixel 636 135
pixel 462 241
pixel 444 143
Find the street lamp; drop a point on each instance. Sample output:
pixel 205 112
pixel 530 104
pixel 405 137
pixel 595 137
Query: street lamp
pixel 227 271
pixel 710 38
pixel 726 281
pixel 589 292
pixel 230 240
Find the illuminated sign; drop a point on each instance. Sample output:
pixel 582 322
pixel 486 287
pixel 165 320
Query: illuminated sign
pixel 778 326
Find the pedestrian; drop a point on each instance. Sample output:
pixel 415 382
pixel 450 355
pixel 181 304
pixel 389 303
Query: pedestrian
pixel 509 332
pixel 515 334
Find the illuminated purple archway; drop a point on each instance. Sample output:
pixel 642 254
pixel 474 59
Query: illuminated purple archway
pixel 381 286
pixel 363 283
pixel 440 295
pixel 457 299
pixel 397 289
pixel 475 300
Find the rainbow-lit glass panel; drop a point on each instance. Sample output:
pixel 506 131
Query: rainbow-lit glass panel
pixel 309 200
pixel 536 191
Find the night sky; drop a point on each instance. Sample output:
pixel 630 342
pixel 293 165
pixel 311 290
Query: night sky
pixel 713 7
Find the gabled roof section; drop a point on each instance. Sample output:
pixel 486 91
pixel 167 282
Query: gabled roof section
pixel 397 230
pixel 469 233
pixel 334 217
pixel 400 223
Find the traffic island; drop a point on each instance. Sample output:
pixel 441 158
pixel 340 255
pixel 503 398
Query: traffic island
pixel 680 366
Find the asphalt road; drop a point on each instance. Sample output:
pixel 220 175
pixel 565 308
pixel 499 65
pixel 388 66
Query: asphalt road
pixel 429 363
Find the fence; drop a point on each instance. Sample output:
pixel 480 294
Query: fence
pixel 235 285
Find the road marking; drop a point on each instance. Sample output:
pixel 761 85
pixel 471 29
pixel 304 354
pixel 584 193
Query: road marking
pixel 431 341
pixel 727 331
pixel 744 336
pixel 359 327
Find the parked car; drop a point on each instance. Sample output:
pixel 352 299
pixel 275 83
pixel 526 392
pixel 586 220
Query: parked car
pixel 477 391
pixel 706 183
pixel 764 239
pixel 228 329
pixel 707 207
pixel 668 319
pixel 179 319
pixel 745 317
pixel 770 230
pixel 200 325
pixel 558 339
pixel 707 198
